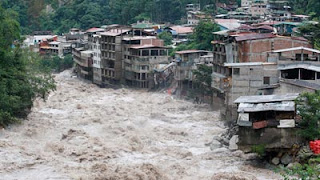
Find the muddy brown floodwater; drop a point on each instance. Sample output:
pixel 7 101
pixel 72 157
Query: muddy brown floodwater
pixel 86 132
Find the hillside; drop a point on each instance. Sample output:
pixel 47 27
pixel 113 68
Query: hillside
pixel 61 15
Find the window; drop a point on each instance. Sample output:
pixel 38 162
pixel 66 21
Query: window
pixel 145 52
pixel 236 71
pixel 154 53
pixel 266 80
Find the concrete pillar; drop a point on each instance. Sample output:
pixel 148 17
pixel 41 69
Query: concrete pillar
pixel 299 75
pixel 301 58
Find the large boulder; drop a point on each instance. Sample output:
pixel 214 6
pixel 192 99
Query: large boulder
pixel 275 160
pixel 215 144
pixel 233 142
pixel 286 159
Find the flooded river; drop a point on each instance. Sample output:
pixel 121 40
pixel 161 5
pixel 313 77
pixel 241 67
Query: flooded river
pixel 86 132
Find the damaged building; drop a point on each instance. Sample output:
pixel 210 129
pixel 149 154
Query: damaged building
pixel 185 63
pixel 268 120
pixel 241 65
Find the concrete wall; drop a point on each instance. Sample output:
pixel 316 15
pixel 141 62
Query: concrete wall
pixel 290 88
pixel 250 80
pixel 270 137
pixel 97 78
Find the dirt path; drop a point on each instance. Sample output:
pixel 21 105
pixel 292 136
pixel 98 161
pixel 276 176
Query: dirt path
pixel 84 132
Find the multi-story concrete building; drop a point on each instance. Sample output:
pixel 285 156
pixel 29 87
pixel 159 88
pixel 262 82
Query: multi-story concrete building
pixel 111 53
pixel 141 56
pixel 94 43
pixel 274 10
pixel 185 63
pixel 258 8
pixel 83 62
pixel 299 69
pixel 193 17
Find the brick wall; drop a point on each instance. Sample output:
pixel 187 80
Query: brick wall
pixel 255 50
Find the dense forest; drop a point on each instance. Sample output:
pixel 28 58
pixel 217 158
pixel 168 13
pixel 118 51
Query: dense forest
pixel 61 15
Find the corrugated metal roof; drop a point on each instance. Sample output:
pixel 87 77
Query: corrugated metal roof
pixel 248 64
pixel 223 32
pixel 301 83
pixel 190 51
pixel 91 30
pixel 115 32
pixel 264 27
pixel 269 22
pixel 255 36
pixel 145 46
pixel 128 38
pixel 267 98
pixel 300 65
pixel 280 106
pixel 288 23
pixel 297 48
pixel 228 23
pixel 182 29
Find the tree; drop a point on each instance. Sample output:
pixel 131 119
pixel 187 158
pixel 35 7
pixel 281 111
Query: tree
pixel 203 79
pixel 21 78
pixel 203 34
pixel 311 32
pixel 166 37
pixel 55 63
pixel 308 107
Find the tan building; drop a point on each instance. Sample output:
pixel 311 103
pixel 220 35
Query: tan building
pixel 111 55
pixel 83 62
pixel 141 56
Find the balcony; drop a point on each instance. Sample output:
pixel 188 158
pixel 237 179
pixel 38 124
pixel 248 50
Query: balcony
pixel 219 82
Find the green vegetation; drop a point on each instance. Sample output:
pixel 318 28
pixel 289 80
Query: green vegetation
pixel 202 81
pixel 201 38
pixel 312 33
pixel 308 107
pixel 166 37
pixel 259 149
pixel 21 77
pixel 309 7
pixel 301 172
pixel 60 16
pixel 56 63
